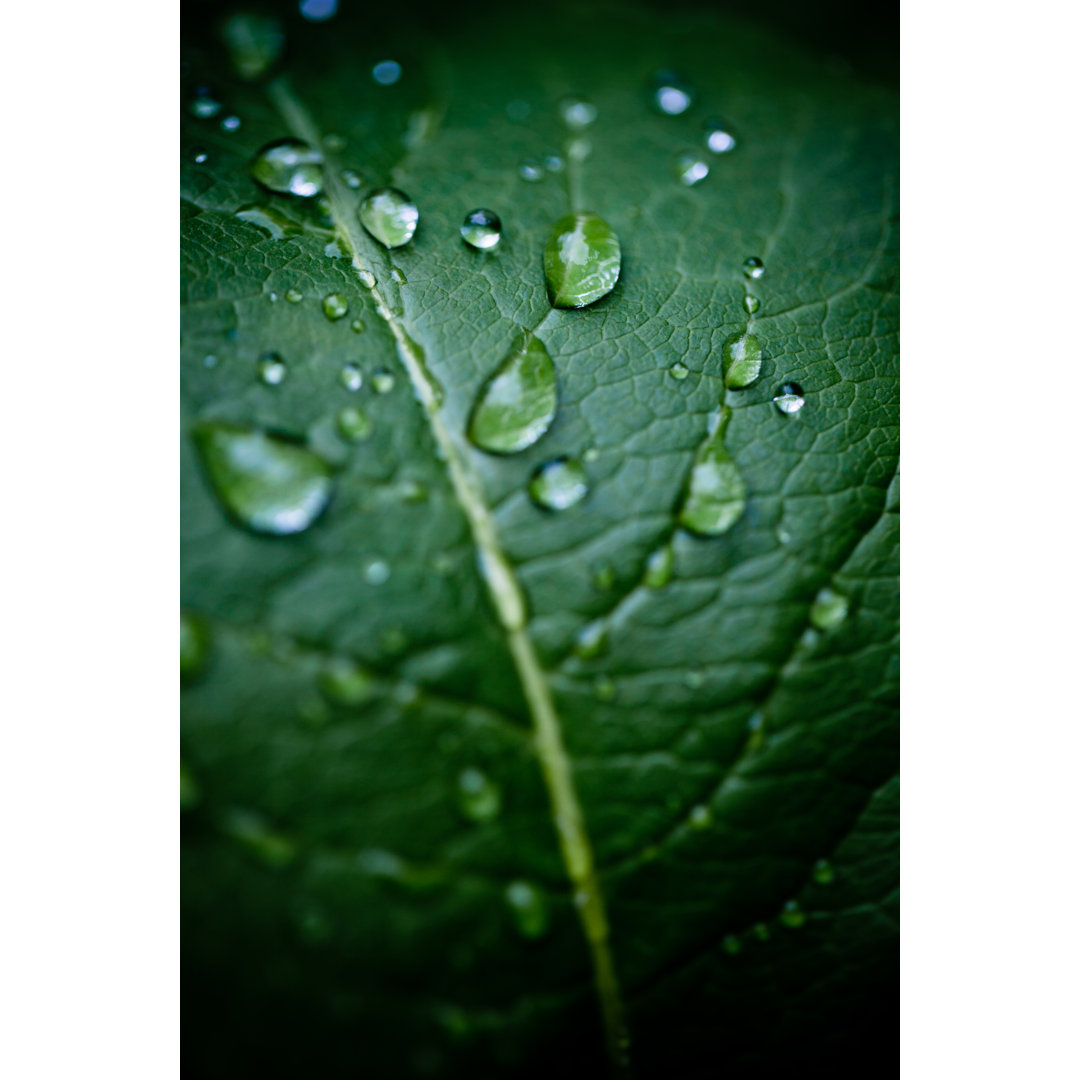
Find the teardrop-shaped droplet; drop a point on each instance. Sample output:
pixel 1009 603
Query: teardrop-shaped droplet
pixel 576 112
pixel 829 609
pixel 481 229
pixel 289 167
pixel 270 219
pixel 690 168
pixel 479 798
pixel 719 137
pixel 671 94
pixel 529 908
pixel 194 645
pixel 715 494
pixel 582 260
pixel 267 483
pixel 335 306
pixel 751 303
pixel 753 267
pixel 558 484
pixel 742 361
pixel 517 403
pixel 255 43
pixel 390 216
pixel 591 640
pixel 353 424
pixel 271 369
pixel 351 377
pixel 789 399
pixel 344 682
pixel 659 567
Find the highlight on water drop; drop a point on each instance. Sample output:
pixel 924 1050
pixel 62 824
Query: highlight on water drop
pixel 481 229
pixel 789 399
pixel 558 484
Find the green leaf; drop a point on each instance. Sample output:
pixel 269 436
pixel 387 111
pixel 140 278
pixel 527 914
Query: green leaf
pixel 473 788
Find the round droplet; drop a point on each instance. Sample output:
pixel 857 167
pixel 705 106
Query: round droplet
pixel 199 156
pixel 390 216
pixel 753 267
pixel 352 178
pixel 272 297
pixel 351 377
pixel 230 123
pixel 377 572
pixel 751 303
pixel 294 296
pixel 531 170
pixel 357 326
pixel 210 361
pixel 671 94
pixel 700 817
pixel 382 381
pixel 742 361
pixel 792 916
pixel 345 682
pixel 789 399
pixel 194 645
pixel 335 306
pixel 554 163
pixel 353 424
pixel 479 799
pixel 829 609
pixel 529 909
pixel 659 567
pixel 716 493
pixel 289 167
pixel 367 279
pixel 205 104
pixel 678 370
pixel 267 483
pixel 318 10
pixel 271 369
pixel 516 405
pixel 823 872
pixel 255 43
pixel 582 260
pixel 719 137
pixel 558 484
pixel 576 112
pixel 592 640
pixel 481 229
pixel 386 72
pixel 690 168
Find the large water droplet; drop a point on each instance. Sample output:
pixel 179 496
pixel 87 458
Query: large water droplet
pixel 659 567
pixel 591 640
pixel 582 260
pixel 576 112
pixel 390 216
pixel 255 43
pixel 690 168
pixel 719 137
pixel 789 399
pixel 344 682
pixel 194 645
pixel 829 609
pixel 479 798
pixel 671 94
pixel 386 72
pixel 558 484
pixel 267 483
pixel 742 361
pixel 715 495
pixel 517 403
pixel 753 267
pixel 335 306
pixel 353 424
pixel 289 167
pixel 271 369
pixel 351 377
pixel 531 170
pixel 529 908
pixel 481 229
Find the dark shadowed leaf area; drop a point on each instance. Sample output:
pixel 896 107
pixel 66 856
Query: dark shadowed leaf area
pixel 693 585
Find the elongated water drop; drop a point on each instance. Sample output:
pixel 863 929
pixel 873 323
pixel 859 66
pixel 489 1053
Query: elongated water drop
pixel 591 640
pixel 671 94
pixel 289 167
pixel 268 484
pixel 479 798
pixel 271 369
pixel 719 137
pixel 690 168
pixel 335 306
pixel 481 229
pixel 582 260
pixel 529 909
pixel 194 645
pixel 715 495
pixel 270 219
pixel 742 361
pixel 390 216
pixel 829 609
pixel 517 403
pixel 753 267
pixel 789 399
pixel 558 484
pixel 659 567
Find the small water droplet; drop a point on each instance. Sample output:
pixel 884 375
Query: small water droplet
pixel 719 137
pixel 582 260
pixel 205 104
pixel 829 609
pixel 318 10
pixel 671 94
pixel 377 572
pixel 694 680
pixel 700 817
pixel 558 484
pixel 751 303
pixel 554 163
pixel 271 369
pixel 715 494
pixel 357 326
pixel 604 578
pixel 255 43
pixel 189 789
pixel 253 832
pixel 823 872
pixel 353 424
pixel 352 178
pixel 659 567
pixel 592 640
pixel 591 454
pixel 294 296
pixel 792 916
pixel 576 112
pixel 732 945
pixel 390 216
pixel 531 170
pixel 194 645
pixel 199 155
pixel 267 483
pixel 231 123
pixel 412 491
pixel 272 297
pixel 741 357
pixel 690 168
pixel 335 306
pixel 386 72
pixel 517 403
pixel 753 267
pixel 289 167
pixel 678 370
pixel 382 381
pixel 210 361
pixel 367 279
pixel 481 229
pixel 529 909
pixel 345 682
pixel 789 399
pixel 604 689
pixel 479 798
pixel 351 377
pixel 398 277
pixel 518 110
pixel 783 536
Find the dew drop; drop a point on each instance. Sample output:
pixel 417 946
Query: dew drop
pixel 531 170
pixel 576 112
pixel 272 297
pixel 690 168
pixel 659 567
pixel 732 945
pixel 199 155
pixel 352 178
pixel 592 640
pixel 268 484
pixel 271 369
pixel 517 404
pixel 377 572
pixel 700 817
pixel 823 872
pixel 481 229
pixel 252 831
pixel 270 219
pixel 398 276
pixel 390 216
pixel 715 494
pixel 318 10
pixel 582 260
pixel 194 645
pixel 345 682
pixel 294 296
pixel 386 72
pixel 792 916
pixel 335 306
pixel 205 104
pixel 382 381
pixel 231 123
pixel 829 609
pixel 479 798
pixel 719 137
pixel 789 399
pixel 558 484
pixel 554 163
pixel 357 326
pixel 678 370
pixel 751 303
pixel 353 424
pixel 367 279
pixel 351 377
pixel 529 909
pixel 671 94
pixel 210 361
pixel 753 267
pixel 742 361
pixel 289 167
pixel 255 43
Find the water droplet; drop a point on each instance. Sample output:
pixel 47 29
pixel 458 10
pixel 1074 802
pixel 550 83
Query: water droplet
pixel 377 572
pixel 516 405
pixel 194 645
pixel 189 789
pixel 576 112
pixel 357 326
pixel 732 945
pixel 255 43
pixel 582 260
pixel 481 229
pixel 294 296
pixel 345 682
pixel 352 178
pixel 529 909
pixel 690 168
pixel 823 872
pixel 318 10
pixel 694 680
pixel 659 567
pixel 335 306
pixel 199 155
pixel 751 303
pixel 270 219
pixel 789 399
pixel 531 170
pixel 678 370
pixel 700 817
pixel 783 536
pixel 382 381
pixel 205 104
pixel 671 94
pixel 367 279
pixel 335 144
pixel 267 483
pixel 554 163
pixel 479 799
pixel 272 297
pixel 742 361
pixel 390 216
pixel 829 609
pixel 719 137
pixel 398 276
pixel 753 267
pixel 210 361
pixel 230 123
pixel 591 640
pixel 386 72
pixel 351 377
pixel 604 578
pixel 271 369
pixel 715 495
pixel 604 689
pixel 518 110
pixel 289 167
pixel 252 831
pixel 792 916
pixel 558 484
pixel 353 424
